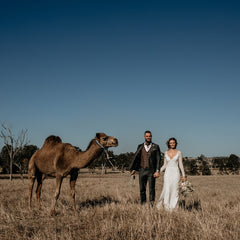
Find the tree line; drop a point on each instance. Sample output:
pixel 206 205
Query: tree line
pixel 121 162
pixel 202 166
pixel 16 153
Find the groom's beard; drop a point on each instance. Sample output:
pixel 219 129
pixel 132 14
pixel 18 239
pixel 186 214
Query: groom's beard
pixel 148 142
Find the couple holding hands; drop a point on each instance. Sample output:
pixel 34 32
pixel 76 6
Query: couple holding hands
pixel 147 161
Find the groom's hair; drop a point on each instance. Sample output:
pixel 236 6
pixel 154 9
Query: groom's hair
pixel 148 132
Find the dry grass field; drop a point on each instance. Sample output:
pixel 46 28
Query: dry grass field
pixel 108 208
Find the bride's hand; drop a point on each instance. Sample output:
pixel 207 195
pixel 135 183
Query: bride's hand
pixel 184 179
pixel 156 174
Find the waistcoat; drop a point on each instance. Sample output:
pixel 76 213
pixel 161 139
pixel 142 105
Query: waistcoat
pixel 145 158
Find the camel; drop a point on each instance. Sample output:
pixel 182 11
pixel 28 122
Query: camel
pixel 59 159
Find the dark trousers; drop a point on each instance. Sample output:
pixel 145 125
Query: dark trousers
pixel 146 175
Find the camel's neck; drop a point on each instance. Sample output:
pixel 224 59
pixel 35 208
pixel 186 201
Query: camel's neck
pixel 85 158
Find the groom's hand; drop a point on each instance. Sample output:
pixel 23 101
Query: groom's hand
pixel 156 174
pixel 132 172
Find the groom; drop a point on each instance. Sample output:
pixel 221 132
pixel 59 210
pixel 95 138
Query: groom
pixel 147 161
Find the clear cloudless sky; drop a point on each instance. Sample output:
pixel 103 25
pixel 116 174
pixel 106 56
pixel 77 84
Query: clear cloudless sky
pixel 74 68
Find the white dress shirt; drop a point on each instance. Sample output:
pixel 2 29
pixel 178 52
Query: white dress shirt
pixel 147 147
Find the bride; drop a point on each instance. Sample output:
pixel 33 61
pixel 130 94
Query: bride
pixel 172 163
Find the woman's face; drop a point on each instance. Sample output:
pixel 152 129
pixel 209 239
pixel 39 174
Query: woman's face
pixel 172 144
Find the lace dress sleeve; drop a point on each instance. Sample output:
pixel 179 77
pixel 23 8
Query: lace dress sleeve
pixel 180 163
pixel 165 164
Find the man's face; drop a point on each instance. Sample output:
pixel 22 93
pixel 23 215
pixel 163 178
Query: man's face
pixel 148 137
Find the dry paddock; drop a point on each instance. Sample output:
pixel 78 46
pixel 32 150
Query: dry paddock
pixel 108 208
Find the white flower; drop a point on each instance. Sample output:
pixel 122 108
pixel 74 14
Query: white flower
pixel 185 188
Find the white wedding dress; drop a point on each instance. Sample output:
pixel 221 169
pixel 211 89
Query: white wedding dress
pixel 169 195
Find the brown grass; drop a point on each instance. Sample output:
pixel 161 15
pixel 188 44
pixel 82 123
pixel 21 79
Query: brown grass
pixel 108 208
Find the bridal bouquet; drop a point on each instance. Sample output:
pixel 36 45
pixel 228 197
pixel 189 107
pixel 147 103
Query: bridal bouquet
pixel 185 188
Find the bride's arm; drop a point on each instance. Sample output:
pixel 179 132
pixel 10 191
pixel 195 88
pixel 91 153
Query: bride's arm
pixel 164 165
pixel 180 162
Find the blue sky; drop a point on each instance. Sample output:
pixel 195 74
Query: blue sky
pixel 74 68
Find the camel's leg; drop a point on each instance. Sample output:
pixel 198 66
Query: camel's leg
pixel 59 179
pixel 73 179
pixel 39 188
pixel 32 178
pixel 32 181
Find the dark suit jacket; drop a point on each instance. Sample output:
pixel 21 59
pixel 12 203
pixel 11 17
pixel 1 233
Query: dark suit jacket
pixel 154 158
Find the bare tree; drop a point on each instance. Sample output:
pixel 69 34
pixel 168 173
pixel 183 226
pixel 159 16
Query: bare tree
pixel 13 143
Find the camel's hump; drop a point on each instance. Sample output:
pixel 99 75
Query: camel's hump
pixel 53 140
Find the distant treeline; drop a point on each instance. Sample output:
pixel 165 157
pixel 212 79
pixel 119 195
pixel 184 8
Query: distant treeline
pixel 193 166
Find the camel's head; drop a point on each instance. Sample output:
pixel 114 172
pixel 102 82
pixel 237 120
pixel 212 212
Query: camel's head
pixel 106 141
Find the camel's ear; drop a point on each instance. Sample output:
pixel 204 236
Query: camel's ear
pixel 98 135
